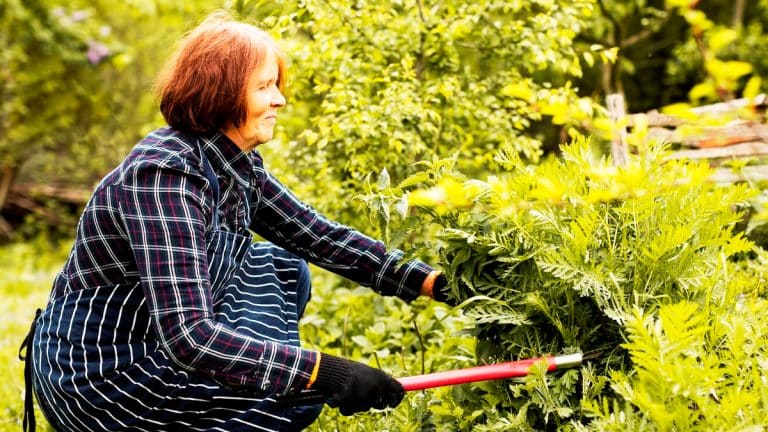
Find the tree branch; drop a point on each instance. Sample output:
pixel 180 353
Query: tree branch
pixel 738 14
pixel 614 22
pixel 7 175
pixel 637 37
pixel 421 60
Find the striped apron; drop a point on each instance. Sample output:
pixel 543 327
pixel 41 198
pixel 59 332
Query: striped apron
pixel 98 366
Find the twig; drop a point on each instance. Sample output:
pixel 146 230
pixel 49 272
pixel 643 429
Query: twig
pixel 613 20
pixel 421 343
pixel 344 333
pixel 420 62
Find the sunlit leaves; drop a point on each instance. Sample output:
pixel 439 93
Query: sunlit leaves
pixel 694 368
pixel 562 254
pixel 447 194
pixel 443 77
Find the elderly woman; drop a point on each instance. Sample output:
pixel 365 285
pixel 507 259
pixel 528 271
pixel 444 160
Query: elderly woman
pixel 166 315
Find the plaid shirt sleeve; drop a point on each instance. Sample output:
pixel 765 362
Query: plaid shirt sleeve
pixel 284 220
pixel 164 206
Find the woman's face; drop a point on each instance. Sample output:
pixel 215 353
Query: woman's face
pixel 263 100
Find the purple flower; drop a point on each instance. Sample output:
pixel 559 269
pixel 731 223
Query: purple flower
pixel 79 15
pixel 96 52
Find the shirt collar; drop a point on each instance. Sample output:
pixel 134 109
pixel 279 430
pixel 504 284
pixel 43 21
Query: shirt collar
pixel 225 154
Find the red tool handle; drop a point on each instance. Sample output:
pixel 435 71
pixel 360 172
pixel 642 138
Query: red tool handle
pixel 513 369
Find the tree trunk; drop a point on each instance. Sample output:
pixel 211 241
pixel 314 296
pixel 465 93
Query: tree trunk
pixel 738 14
pixel 7 175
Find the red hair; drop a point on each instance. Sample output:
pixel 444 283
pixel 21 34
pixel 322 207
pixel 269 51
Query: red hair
pixel 203 86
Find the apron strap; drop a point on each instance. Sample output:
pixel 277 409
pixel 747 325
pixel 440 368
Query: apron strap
pixel 26 345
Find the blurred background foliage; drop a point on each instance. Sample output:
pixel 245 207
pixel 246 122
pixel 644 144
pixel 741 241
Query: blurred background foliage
pixel 373 84
pixel 374 87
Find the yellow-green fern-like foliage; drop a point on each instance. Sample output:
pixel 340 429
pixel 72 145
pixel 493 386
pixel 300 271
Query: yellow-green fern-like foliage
pixel 576 254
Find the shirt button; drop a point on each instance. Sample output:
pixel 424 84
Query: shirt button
pixel 266 385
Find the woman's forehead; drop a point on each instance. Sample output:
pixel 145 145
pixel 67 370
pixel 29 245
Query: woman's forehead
pixel 268 69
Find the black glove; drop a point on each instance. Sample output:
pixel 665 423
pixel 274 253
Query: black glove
pixel 353 386
pixel 440 291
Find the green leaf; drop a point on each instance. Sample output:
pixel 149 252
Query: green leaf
pixel 384 182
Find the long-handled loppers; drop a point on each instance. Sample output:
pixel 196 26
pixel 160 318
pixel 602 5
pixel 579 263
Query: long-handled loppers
pixel 512 369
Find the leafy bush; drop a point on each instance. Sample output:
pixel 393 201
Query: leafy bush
pixel 695 367
pixel 389 83
pixel 576 254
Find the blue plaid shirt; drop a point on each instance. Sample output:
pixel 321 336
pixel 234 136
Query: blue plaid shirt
pixel 147 222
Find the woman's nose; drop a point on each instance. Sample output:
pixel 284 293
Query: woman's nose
pixel 278 100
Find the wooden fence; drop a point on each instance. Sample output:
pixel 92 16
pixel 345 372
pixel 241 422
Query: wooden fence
pixel 721 132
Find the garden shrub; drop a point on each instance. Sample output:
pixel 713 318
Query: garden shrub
pixel 576 254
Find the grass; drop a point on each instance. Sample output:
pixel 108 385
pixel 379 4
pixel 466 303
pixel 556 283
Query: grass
pixel 26 273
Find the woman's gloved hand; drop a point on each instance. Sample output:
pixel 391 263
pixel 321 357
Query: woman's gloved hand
pixel 436 287
pixel 354 387
pixel 440 291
